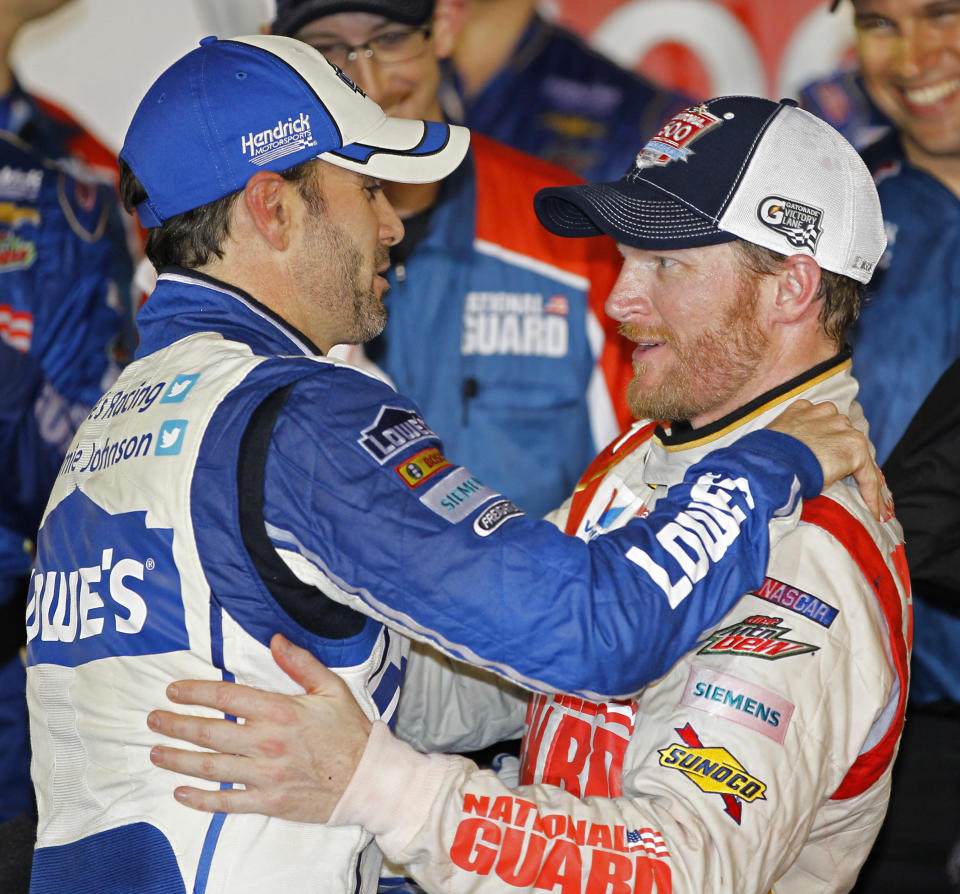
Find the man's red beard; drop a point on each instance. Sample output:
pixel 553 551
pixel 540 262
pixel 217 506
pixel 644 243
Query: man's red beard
pixel 707 370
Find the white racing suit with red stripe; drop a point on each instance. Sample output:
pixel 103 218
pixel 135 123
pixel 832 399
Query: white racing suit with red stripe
pixel 760 761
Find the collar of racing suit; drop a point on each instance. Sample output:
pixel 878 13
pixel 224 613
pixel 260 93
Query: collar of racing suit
pixel 185 302
pixel 680 443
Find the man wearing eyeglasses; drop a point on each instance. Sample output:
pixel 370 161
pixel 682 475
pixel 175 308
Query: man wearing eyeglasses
pixel 496 327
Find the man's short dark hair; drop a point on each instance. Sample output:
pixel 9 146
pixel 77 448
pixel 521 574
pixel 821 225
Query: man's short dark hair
pixel 193 238
pixel 841 295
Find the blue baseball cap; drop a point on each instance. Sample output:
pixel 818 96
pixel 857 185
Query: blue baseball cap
pixel 263 102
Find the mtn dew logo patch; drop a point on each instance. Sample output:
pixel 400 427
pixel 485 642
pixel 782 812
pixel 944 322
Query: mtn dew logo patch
pixel 103 585
pixel 757 636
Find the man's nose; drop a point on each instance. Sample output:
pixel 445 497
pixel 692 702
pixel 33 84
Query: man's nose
pixel 627 300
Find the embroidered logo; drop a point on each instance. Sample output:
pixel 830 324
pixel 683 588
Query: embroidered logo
pixel 283 138
pixel 672 141
pixel 757 636
pixel 713 770
pixel 801 224
pixel 797 601
pixel 422 466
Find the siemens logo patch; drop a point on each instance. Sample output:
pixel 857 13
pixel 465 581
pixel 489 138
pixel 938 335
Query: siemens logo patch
pixel 515 323
pixel 457 495
pixel 797 601
pixel 394 429
pixel 103 585
pixel 740 701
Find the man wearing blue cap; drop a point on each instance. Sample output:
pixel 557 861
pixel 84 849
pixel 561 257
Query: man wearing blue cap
pixel 496 327
pixel 761 759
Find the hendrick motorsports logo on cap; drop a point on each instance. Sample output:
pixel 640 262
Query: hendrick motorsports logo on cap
pixel 800 223
pixel 284 138
pixel 671 141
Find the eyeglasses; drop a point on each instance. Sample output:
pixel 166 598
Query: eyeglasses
pixel 387 48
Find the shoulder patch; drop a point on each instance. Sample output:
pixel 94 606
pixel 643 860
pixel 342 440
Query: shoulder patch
pixel 394 429
pixel 779 593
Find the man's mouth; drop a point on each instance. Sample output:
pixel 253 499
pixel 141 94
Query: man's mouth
pixel 931 94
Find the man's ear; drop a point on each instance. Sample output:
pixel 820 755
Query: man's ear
pixel 797 284
pixel 266 199
pixel 448 19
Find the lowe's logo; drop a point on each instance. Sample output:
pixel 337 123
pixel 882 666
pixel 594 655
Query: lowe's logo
pixel 103 585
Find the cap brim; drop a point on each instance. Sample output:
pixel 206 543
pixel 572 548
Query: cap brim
pixel 632 213
pixel 404 150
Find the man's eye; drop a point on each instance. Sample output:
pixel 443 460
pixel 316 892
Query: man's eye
pixel 390 39
pixel 325 49
pixel 872 23
pixel 667 262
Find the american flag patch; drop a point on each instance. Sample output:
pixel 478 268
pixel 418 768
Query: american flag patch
pixel 647 840
pixel 16 327
pixel 558 305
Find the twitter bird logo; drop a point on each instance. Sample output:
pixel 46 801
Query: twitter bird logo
pixel 170 437
pixel 179 388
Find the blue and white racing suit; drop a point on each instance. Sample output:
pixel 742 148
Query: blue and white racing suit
pixel 232 484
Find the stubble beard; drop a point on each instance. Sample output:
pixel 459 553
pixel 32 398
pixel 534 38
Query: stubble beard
pixel 331 245
pixel 715 365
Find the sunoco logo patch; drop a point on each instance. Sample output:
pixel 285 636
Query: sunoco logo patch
pixel 713 770
pixel 801 224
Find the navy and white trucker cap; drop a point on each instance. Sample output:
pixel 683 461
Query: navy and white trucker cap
pixel 736 167
pixel 263 102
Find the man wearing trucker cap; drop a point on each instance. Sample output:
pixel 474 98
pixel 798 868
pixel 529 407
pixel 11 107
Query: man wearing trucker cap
pixel 760 760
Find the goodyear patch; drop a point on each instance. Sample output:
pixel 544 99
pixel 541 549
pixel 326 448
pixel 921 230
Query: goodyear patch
pixel 795 600
pixel 422 466
pixel 713 770
pixel 740 701
pixel 758 636
pixel 495 515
